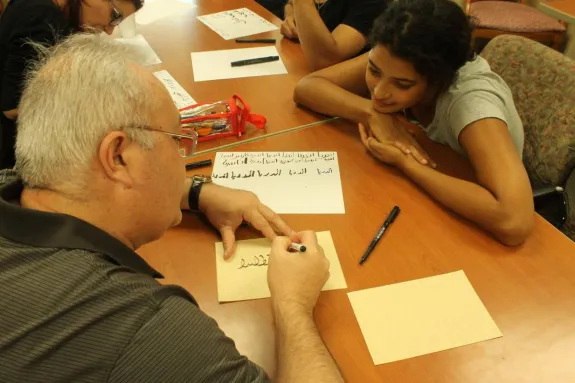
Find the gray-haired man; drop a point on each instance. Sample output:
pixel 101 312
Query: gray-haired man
pixel 100 172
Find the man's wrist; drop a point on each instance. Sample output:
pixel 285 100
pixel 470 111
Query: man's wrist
pixel 205 190
pixel 194 196
pixel 191 199
pixel 283 310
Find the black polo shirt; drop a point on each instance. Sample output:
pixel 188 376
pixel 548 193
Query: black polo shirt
pixel 358 14
pixel 80 306
pixel 40 21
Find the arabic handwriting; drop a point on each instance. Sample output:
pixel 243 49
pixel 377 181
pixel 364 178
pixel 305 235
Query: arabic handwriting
pixel 257 261
pixel 294 172
pixel 325 171
pixel 276 158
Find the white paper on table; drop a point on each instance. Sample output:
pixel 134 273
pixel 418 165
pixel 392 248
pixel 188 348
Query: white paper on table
pixel 127 28
pixel 216 65
pixel 287 182
pixel 179 95
pixel 244 276
pixel 149 56
pixel 154 10
pixel 237 23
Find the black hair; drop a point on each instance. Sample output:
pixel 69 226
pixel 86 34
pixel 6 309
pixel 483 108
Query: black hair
pixel 73 8
pixel 433 35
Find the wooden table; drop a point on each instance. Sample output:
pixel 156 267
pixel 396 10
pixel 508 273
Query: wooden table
pixel 175 37
pixel 559 9
pixel 529 290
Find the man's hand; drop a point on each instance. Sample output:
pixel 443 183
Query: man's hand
pixel 289 28
pixel 227 208
pixel 296 279
pixel 387 130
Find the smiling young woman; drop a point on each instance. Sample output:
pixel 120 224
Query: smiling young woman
pixel 43 21
pixel 421 66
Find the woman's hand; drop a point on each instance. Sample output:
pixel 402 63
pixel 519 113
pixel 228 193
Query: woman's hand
pixel 288 27
pixel 386 130
pixel 385 152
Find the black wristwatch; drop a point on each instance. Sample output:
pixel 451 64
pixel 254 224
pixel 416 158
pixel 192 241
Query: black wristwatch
pixel 194 195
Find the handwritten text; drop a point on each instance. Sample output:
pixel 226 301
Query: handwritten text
pixel 258 261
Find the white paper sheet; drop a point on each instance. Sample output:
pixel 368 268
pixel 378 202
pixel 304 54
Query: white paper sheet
pixel 216 65
pixel 244 276
pixel 150 57
pixel 154 10
pixel 127 28
pixel 237 23
pixel 287 182
pixel 179 95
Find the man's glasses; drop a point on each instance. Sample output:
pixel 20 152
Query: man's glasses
pixel 187 141
pixel 116 16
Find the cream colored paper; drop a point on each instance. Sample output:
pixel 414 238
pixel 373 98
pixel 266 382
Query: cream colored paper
pixel 244 276
pixel 216 65
pixel 237 23
pixel 287 182
pixel 419 317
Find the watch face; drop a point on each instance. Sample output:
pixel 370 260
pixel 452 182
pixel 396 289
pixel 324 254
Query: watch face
pixel 202 179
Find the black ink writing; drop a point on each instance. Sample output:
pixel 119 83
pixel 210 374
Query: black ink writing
pixel 276 158
pixel 294 172
pixel 258 261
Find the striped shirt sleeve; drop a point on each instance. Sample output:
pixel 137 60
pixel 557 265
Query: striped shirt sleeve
pixel 7 176
pixel 182 344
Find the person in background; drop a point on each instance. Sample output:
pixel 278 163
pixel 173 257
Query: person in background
pixel 274 6
pixel 330 31
pixel 89 188
pixel 421 66
pixel 42 21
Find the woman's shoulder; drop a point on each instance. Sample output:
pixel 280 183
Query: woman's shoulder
pixel 476 75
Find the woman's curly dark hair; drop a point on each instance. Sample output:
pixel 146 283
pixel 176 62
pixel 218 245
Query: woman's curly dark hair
pixel 433 35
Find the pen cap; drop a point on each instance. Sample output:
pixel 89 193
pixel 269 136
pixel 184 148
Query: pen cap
pixel 392 215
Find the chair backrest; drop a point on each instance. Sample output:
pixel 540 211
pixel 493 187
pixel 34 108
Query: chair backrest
pixel 543 85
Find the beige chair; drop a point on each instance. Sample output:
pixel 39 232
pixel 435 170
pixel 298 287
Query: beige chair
pixel 543 85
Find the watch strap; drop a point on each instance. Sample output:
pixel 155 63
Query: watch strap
pixel 194 195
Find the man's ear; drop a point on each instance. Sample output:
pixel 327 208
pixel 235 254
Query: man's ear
pixel 114 157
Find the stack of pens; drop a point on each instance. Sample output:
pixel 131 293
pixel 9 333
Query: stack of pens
pixel 216 107
pixel 204 128
pixel 197 118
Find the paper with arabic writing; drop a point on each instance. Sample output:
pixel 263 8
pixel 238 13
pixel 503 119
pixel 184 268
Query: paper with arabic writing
pixel 179 95
pixel 244 276
pixel 237 23
pixel 287 182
